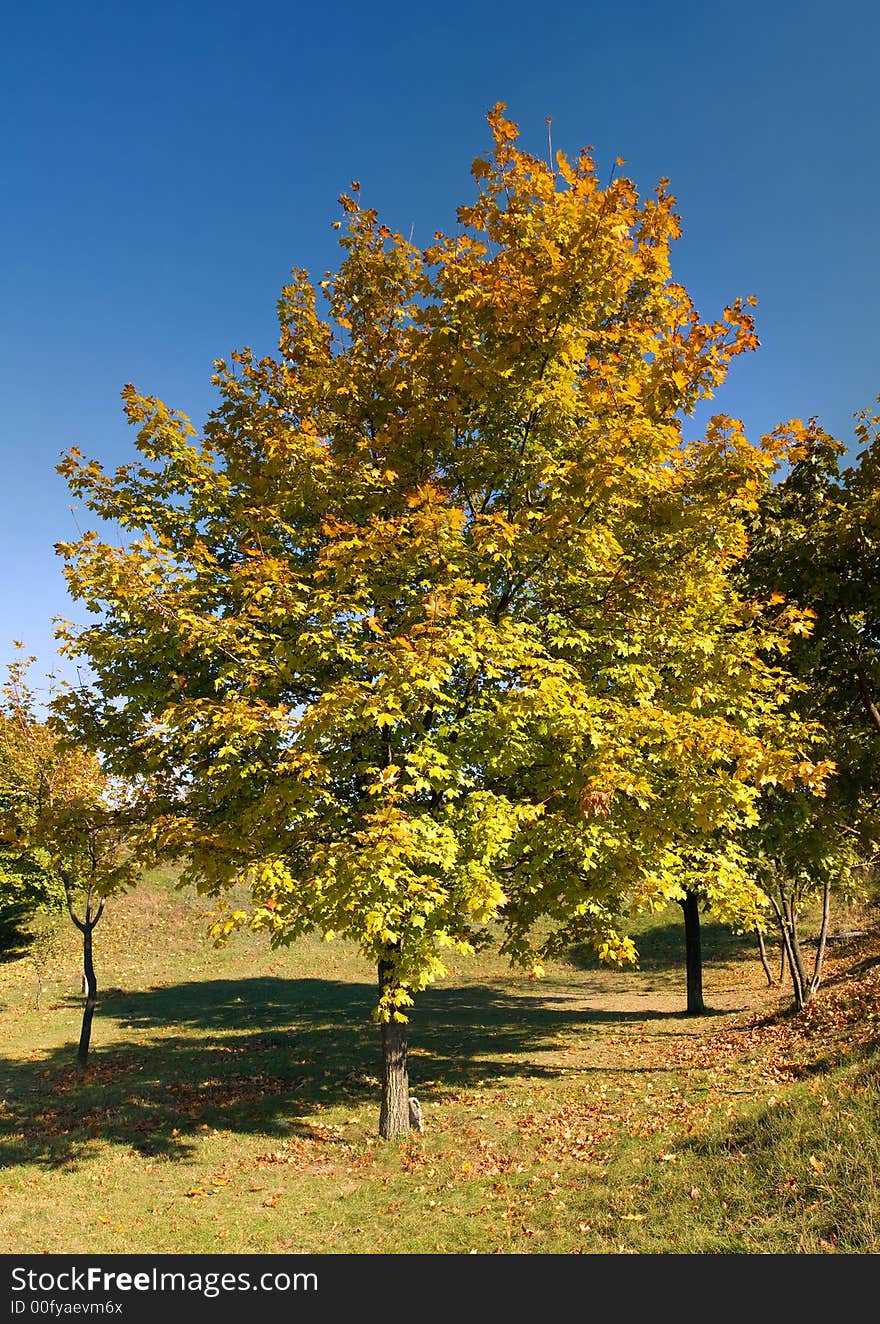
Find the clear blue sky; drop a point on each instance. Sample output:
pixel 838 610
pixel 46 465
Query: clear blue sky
pixel 165 164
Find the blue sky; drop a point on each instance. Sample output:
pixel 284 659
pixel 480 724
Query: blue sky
pixel 165 165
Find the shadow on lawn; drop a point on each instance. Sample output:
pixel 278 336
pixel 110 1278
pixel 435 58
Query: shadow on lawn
pixel 247 1055
pixel 16 936
pixel 661 947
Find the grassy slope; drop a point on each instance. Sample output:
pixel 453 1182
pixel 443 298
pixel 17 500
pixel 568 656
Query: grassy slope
pixel 233 1100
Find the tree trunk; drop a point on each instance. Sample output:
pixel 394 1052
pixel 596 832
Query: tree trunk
pixel 82 1055
pixel 763 953
pixel 820 947
pixel 693 956
pixel 791 946
pixel 791 917
pixel 86 927
pixel 394 1116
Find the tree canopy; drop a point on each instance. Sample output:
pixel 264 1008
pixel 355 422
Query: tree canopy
pixel 435 624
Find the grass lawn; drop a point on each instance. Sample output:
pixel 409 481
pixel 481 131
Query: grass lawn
pixel 233 1098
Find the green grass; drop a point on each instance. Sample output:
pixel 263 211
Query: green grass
pixel 233 1096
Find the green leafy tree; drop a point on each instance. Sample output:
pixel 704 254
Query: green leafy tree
pixel 27 881
pixel 816 544
pixel 60 821
pixel 433 626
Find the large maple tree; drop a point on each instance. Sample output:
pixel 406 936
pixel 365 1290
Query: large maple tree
pixel 433 626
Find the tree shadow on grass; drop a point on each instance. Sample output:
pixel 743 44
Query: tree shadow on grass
pixel 16 935
pixel 661 947
pixel 249 1055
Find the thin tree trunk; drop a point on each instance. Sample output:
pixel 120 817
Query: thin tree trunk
pixel 805 988
pixel 794 970
pixel 788 949
pixel 823 938
pixel 394 1115
pixel 763 953
pixel 82 1055
pixel 796 948
pixel 86 927
pixel 693 955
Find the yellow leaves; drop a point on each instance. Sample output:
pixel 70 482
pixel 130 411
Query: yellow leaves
pixel 221 930
pixel 503 130
pixel 481 169
pixel 802 623
pixel 386 780
pixel 617 951
pixel 425 495
pixel 495 536
pixel 485 894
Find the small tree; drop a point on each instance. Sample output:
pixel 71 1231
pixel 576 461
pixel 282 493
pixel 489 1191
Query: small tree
pixel 58 819
pixel 801 854
pixel 434 624
pixel 816 543
pixel 28 883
